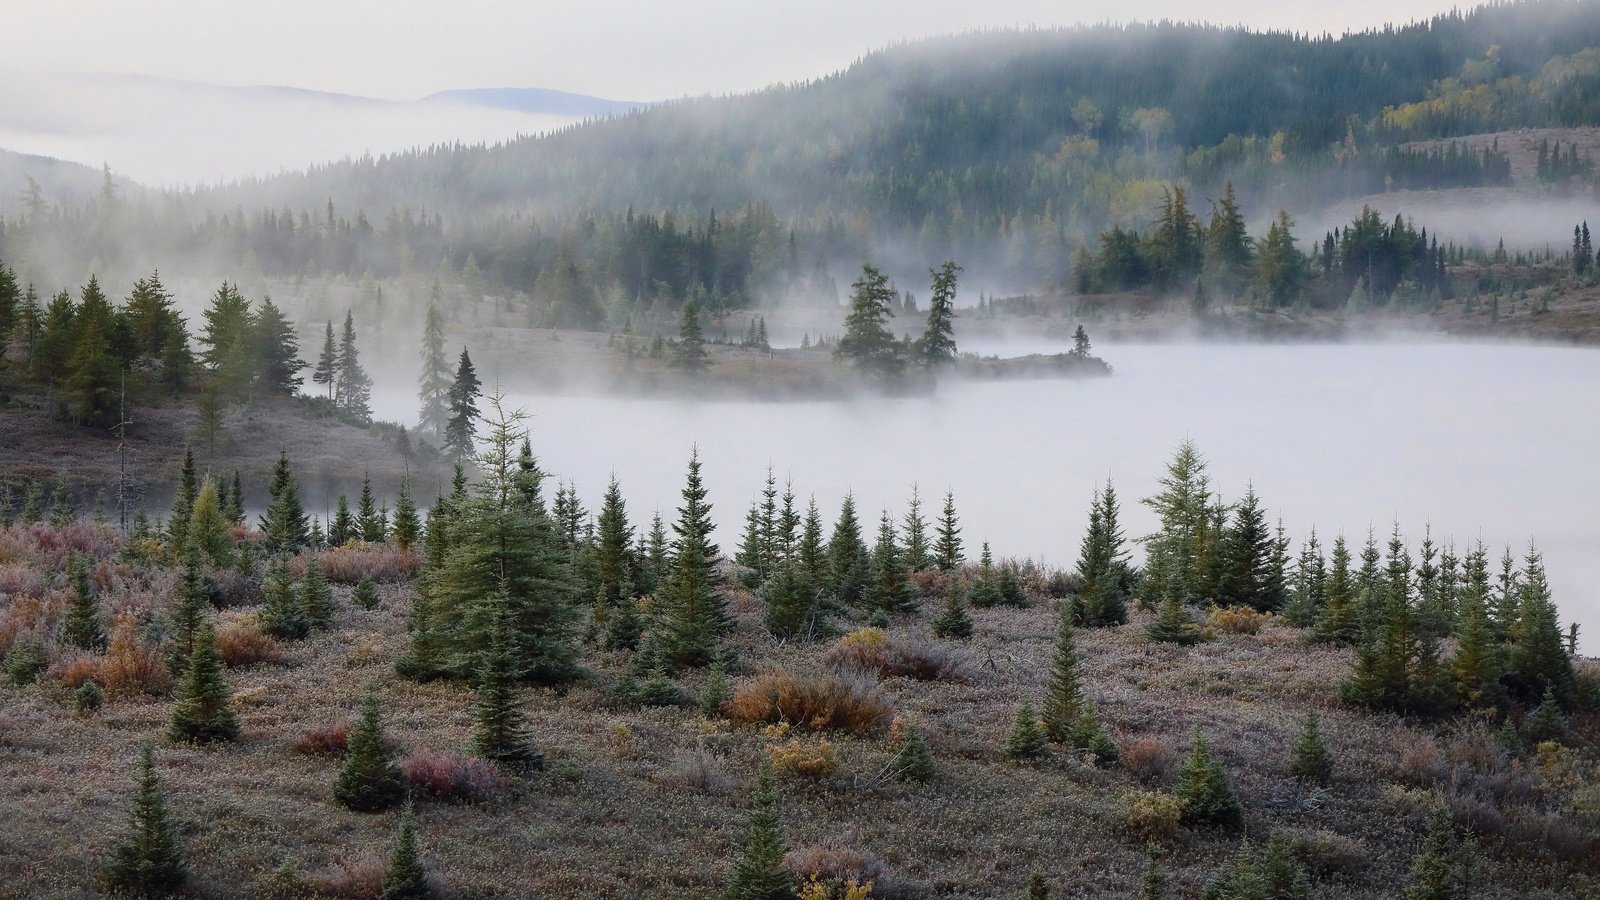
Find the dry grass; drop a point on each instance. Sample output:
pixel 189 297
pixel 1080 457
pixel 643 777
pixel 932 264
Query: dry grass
pixel 819 702
pixel 804 757
pixel 241 642
pixel 1236 620
pixel 890 656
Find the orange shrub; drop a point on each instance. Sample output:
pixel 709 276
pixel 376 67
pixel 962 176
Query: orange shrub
pixel 834 863
pixel 1236 620
pixel 821 702
pixel 324 740
pixel 808 759
pixel 241 642
pixel 76 667
pixel 132 664
pixel 1148 758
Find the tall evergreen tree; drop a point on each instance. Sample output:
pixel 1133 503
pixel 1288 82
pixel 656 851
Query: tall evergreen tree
pixel 917 555
pixel 1103 576
pixel 500 731
pixel 690 353
pixel 208 527
pixel 316 596
pixel 369 781
pixel 282 615
pixel 193 602
pixel 694 616
pixel 149 861
pixel 227 323
pixel 81 627
pixel 204 712
pixel 888 591
pixel 461 428
pixel 1247 558
pixel 434 383
pixel 183 502
pixel 947 545
pixel 1538 661
pixel 370 524
pixel 613 559
pixel 327 368
pixel 1175 549
pixel 284 524
pixel 1443 870
pixel 352 388
pixel 867 343
pixel 407 526
pixel 847 555
pixel 277 349
pixel 937 347
pixel 1064 699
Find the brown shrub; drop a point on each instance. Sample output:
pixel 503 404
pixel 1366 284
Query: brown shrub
pixel 1148 759
pixel 1417 761
pixel 804 758
pixel 1154 816
pixel 132 664
pixel 873 650
pixel 450 777
pixel 18 580
pixel 324 740
pixel 1473 747
pixel 358 879
pixel 74 667
pixel 1327 853
pixel 352 562
pixel 698 770
pixel 841 702
pixel 241 642
pixel 1236 620
pixel 832 862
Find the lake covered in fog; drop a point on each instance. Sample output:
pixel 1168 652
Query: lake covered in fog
pixel 1478 440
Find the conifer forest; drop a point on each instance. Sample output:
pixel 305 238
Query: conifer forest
pixel 1050 455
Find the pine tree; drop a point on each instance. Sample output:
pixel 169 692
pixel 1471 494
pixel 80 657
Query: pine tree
pixel 937 347
pixel 913 758
pixel 867 343
pixel 1101 598
pixel 277 349
pixel 149 861
pixel 461 428
pixel 342 530
pixel 370 526
pixel 204 712
pixel 501 731
pixel 406 525
pixel 352 388
pixel 81 627
pixel 694 615
pixel 847 555
pixel 792 602
pixel 690 353
pixel 316 596
pixel 285 524
pixel 947 545
pixel 758 872
pixel 1027 740
pixel 1203 786
pixel 327 368
pixel 434 382
pixel 1311 761
pixel 953 622
pixel 282 615
pixel 1064 699
pixel 888 592
pixel 405 878
pixel 193 601
pixel 1443 869
pixel 369 781
pixel 183 503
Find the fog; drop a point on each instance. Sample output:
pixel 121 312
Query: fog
pixel 165 133
pixel 1470 217
pixel 1489 441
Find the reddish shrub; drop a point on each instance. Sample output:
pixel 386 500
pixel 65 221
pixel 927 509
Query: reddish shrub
pixel 872 650
pixel 73 668
pixel 1148 758
pixel 832 862
pixel 844 702
pixel 241 642
pixel 450 777
pixel 132 664
pixel 17 580
pixel 324 740
pixel 352 562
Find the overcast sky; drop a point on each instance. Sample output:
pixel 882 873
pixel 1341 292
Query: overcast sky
pixel 401 49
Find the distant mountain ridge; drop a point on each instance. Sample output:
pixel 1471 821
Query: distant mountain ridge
pixel 537 100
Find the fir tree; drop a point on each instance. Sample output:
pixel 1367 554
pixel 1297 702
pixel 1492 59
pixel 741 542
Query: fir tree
pixel 1310 581
pixel 1102 567
pixel 985 587
pixel 461 428
pixel 434 382
pixel 282 614
pixel 342 530
pixel 1203 786
pixel 352 389
pixel 316 596
pixel 204 712
pixel 917 550
pixel 193 601
pixel 694 615
pixel 365 593
pixel 913 758
pixel 208 527
pixel 327 368
pixel 811 554
pixel 149 861
pixel 953 622
pixel 612 558
pixel 867 343
pixel 501 732
pixel 406 525
pixel 1538 661
pixel 1338 623
pixel 1477 664
pixel 690 353
pixel 847 555
pixel 81 627
pixel 1027 740
pixel 937 347
pixel 792 602
pixel 716 690
pixel 285 524
pixel 1547 723
pixel 369 781
pixel 1443 869
pixel 947 545
pixel 277 349
pixel 1247 550
pixel 758 872
pixel 1176 549
pixel 1171 624
pixel 1311 761
pixel 371 526
pixel 405 878
pixel 182 504
pixel 1064 699
pixel 889 592
pixel 227 321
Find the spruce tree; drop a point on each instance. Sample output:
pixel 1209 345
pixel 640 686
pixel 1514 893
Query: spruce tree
pixel 342 530
pixel 1538 660
pixel 867 343
pixel 193 602
pixel 1208 798
pixel 985 587
pixel 327 368
pixel 947 545
pixel 282 615
pixel 434 383
pixel 888 592
pixel 1064 699
pixel 1308 596
pixel 149 861
pixel 371 526
pixel 182 504
pixel 953 622
pixel 811 553
pixel 406 526
pixel 81 627
pixel 937 347
pixel 227 321
pixel 690 353
pixel 1247 551
pixel 694 615
pixel 461 427
pixel 285 524
pixel 613 559
pixel 501 732
pixel 1027 740
pixel 792 602
pixel 1443 869
pixel 918 552
pixel 204 711
pixel 208 527
pixel 1339 622
pixel 913 758
pixel 1176 549
pixel 1477 664
pixel 1154 886
pixel 1171 624
pixel 1547 723
pixel 369 781
pixel 316 596
pixel 1102 566
pixel 1311 762
pixel 352 389
pixel 272 338
pixel 850 565
pixel 758 872
pixel 405 878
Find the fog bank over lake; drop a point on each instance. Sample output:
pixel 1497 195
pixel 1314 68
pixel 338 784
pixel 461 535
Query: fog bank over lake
pixel 1478 440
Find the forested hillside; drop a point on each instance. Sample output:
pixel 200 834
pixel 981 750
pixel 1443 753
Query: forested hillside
pixel 1008 150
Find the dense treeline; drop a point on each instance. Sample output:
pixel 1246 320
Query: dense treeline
pixel 1007 149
